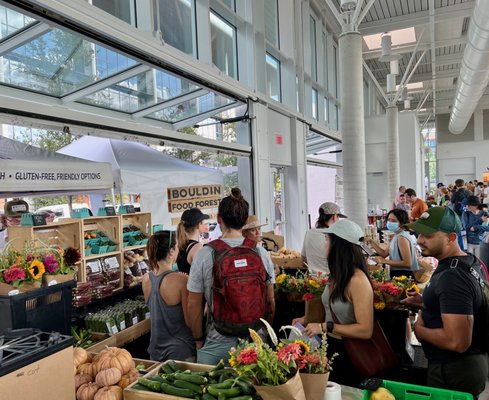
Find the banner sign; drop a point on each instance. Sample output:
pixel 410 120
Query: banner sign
pixel 24 175
pixel 186 197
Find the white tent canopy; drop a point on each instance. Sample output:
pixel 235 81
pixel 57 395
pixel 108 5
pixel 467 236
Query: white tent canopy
pixel 27 170
pixel 138 168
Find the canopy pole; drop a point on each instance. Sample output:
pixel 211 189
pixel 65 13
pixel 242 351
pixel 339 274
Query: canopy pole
pixel 112 194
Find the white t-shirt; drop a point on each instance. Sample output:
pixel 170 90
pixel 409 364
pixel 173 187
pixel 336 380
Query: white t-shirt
pixel 314 249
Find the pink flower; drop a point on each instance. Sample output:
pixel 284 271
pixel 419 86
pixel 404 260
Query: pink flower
pixel 12 274
pixel 290 352
pixel 308 296
pixel 247 356
pixel 390 288
pixel 50 263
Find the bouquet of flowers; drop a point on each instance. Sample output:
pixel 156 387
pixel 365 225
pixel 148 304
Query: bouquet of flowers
pixel 314 285
pixel 389 293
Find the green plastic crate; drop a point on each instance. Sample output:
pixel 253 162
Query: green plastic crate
pixel 406 391
pixel 99 249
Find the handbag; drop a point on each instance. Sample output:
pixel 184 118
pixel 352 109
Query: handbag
pixel 370 357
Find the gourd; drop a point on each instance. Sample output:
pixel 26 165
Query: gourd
pixel 109 393
pixel 87 391
pixel 80 356
pixel 128 378
pixel 113 357
pixel 108 377
pixel 88 368
pixel 81 379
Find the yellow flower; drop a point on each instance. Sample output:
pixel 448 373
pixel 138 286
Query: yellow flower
pixel 306 349
pixel 379 306
pixel 313 283
pixel 36 269
pixel 412 288
pixel 255 337
pixel 280 279
pixel 401 278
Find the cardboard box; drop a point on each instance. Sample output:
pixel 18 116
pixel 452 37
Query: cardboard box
pixel 279 240
pixel 134 394
pixel 288 263
pixel 45 379
pixel 125 336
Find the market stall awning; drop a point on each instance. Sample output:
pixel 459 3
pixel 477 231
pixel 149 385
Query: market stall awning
pixel 27 170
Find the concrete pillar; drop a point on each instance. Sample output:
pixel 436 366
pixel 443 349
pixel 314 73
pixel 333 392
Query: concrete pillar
pixel 393 173
pixel 352 127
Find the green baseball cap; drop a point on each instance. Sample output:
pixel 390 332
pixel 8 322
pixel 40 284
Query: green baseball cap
pixel 436 219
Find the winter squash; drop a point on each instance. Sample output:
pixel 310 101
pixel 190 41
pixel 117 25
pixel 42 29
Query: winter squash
pixel 126 380
pixel 88 368
pixel 80 379
pixel 109 393
pixel 87 391
pixel 108 377
pixel 80 356
pixel 113 357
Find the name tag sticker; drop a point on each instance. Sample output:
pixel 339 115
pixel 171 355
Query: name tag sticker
pixel 240 263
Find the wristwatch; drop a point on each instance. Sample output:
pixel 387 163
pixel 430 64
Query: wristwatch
pixel 329 326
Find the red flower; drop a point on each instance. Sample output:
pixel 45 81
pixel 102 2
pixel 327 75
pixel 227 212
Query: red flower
pixel 247 356
pixel 308 296
pixel 290 352
pixel 13 274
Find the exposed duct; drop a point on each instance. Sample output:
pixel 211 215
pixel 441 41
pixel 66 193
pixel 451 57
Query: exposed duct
pixel 474 74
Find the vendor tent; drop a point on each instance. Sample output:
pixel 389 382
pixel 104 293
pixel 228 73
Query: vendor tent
pixel 139 169
pixel 27 170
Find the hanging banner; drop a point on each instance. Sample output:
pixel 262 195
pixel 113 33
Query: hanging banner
pixel 185 197
pixel 27 176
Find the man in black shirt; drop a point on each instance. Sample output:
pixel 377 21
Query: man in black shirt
pixel 449 325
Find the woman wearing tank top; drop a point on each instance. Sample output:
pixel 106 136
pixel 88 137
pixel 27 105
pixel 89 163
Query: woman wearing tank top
pixel 402 248
pixel 165 292
pixel 348 294
pixel 189 228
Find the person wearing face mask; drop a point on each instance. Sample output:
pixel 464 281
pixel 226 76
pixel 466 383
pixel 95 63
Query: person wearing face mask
pixel 402 248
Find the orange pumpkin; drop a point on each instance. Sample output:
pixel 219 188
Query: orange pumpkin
pixel 80 356
pixel 108 377
pixel 126 380
pixel 88 368
pixel 81 379
pixel 109 393
pixel 113 357
pixel 87 391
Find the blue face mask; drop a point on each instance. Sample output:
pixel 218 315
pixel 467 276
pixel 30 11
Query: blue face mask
pixel 392 226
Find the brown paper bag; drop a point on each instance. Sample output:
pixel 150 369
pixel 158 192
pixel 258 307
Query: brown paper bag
pixel 314 311
pixel 290 390
pixel 314 385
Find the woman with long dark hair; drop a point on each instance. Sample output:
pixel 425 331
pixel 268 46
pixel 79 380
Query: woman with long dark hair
pixel 189 228
pixel 165 292
pixel 348 294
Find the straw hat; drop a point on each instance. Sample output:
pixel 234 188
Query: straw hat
pixel 252 222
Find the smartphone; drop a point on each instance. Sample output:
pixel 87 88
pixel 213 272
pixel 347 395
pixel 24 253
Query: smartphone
pixel 370 383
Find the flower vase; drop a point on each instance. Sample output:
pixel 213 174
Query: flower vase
pixel 314 311
pixel 58 278
pixel 290 390
pixel 314 385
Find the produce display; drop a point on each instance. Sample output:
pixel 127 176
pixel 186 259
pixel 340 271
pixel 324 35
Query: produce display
pixel 97 242
pixel 82 294
pixel 103 376
pixel 219 383
pixel 118 317
pixel 134 267
pixel 286 258
pixel 104 276
pixel 132 236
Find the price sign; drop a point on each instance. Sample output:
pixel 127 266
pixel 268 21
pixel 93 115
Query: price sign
pixel 130 209
pixel 110 210
pixel 38 220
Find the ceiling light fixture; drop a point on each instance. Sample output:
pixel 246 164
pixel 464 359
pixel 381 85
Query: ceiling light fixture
pixel 386 43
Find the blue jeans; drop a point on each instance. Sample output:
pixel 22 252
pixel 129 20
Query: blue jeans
pixel 212 352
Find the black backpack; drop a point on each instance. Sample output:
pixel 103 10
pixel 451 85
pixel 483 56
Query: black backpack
pixel 484 285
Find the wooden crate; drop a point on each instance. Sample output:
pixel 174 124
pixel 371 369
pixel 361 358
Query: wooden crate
pixel 142 221
pixel 134 394
pixel 62 234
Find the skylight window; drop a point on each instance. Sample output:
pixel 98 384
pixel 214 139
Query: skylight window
pixel 399 37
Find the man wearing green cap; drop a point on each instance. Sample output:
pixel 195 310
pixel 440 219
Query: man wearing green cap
pixel 449 325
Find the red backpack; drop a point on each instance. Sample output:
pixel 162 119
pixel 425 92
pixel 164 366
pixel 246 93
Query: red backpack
pixel 239 290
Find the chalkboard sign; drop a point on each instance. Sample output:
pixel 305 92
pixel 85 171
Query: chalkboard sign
pixel 38 220
pixel 110 210
pixel 130 209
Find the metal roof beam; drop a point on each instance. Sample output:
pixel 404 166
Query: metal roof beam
pixel 24 36
pixel 200 117
pixel 104 83
pixel 170 103
pixel 442 14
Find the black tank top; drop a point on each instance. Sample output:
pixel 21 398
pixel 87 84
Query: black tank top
pixel 182 263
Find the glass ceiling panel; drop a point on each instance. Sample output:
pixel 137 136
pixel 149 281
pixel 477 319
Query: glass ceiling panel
pixel 318 144
pixel 12 21
pixel 191 108
pixel 140 91
pixel 60 62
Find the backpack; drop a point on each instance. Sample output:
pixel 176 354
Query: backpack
pixel 461 205
pixel 484 285
pixel 239 290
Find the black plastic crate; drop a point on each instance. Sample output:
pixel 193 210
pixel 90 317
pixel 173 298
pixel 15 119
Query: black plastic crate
pixel 47 309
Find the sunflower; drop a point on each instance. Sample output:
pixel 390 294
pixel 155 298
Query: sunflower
pixel 36 269
pixel 306 349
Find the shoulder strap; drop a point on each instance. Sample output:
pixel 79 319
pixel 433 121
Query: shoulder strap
pixel 218 245
pixel 190 246
pixel 456 262
pixel 249 243
pixel 163 276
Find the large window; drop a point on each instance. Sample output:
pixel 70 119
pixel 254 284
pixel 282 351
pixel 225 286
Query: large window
pixel 230 3
pixel 312 33
pixel 177 24
pixel 271 22
pixel 325 60
pixel 273 77
pixel 122 9
pixel 223 42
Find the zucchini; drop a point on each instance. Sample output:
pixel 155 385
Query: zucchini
pixel 151 385
pixel 176 391
pixel 219 365
pixel 246 388
pixel 138 386
pixel 207 396
pixel 227 392
pixel 245 397
pixel 192 378
pixel 224 385
pixel 187 385
pixel 174 366
pixel 221 396
pixel 166 369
